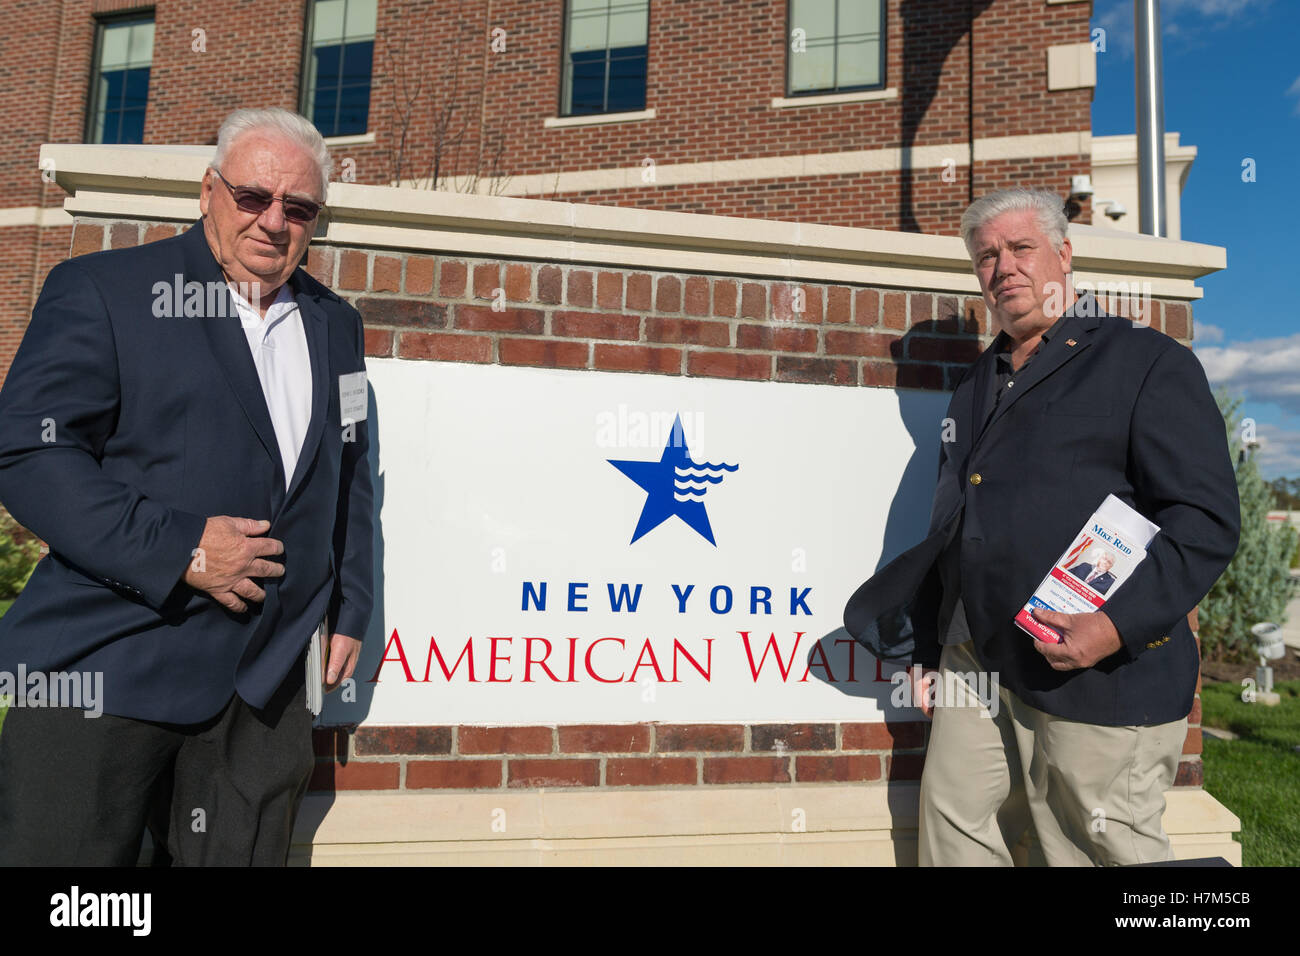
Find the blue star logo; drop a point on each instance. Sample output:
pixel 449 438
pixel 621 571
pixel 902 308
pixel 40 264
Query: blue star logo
pixel 674 485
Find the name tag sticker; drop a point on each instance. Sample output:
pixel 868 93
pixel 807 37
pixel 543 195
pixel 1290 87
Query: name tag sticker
pixel 352 397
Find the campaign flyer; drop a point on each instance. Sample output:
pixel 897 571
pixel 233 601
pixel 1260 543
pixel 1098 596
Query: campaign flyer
pixel 1102 556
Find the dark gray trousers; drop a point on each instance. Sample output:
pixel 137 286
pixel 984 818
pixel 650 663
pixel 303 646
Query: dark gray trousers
pixel 78 791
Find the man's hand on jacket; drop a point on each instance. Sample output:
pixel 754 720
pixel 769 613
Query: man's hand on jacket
pixel 232 553
pixel 1085 639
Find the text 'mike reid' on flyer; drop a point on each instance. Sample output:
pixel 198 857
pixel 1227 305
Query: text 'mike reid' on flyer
pixel 1102 556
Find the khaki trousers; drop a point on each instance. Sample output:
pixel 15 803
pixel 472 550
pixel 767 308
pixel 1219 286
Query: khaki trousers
pixel 1083 794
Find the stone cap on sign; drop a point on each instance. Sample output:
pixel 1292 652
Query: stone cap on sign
pixel 162 182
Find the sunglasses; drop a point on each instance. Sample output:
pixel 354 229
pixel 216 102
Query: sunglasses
pixel 258 200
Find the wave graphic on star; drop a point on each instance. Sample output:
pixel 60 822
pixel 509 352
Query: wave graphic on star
pixel 695 479
pixel 674 485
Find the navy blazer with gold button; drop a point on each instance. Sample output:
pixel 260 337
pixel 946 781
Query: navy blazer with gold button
pixel 122 429
pixel 1106 407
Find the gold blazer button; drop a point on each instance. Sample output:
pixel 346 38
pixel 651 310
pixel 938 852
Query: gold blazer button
pixel 975 479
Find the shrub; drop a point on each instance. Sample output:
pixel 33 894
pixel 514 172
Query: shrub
pixel 19 552
pixel 1256 584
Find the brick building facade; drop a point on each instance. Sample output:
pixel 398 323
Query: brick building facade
pixel 971 95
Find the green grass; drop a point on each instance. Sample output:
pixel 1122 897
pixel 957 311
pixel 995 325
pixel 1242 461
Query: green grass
pixel 1257 777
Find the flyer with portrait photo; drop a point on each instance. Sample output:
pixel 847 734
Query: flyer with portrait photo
pixel 1102 556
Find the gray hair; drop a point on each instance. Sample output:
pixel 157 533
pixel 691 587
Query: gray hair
pixel 293 127
pixel 1047 206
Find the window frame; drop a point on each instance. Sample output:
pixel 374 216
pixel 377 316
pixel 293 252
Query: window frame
pixel 564 65
pixel 96 59
pixel 831 91
pixel 304 90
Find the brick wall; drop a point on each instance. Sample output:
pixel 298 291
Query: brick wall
pixel 619 755
pixel 715 66
pixel 422 307
pixel 637 755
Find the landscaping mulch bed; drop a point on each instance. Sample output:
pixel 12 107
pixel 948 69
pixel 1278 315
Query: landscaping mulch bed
pixel 1288 668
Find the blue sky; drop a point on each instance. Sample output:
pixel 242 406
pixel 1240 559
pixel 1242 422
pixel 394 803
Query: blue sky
pixel 1232 90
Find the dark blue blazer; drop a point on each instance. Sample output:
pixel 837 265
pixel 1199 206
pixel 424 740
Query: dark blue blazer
pixel 1017 486
pixel 122 431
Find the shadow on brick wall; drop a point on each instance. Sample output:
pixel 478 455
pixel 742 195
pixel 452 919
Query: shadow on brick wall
pixel 931 32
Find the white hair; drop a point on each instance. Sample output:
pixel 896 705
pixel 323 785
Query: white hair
pixel 293 127
pixel 1096 554
pixel 1047 207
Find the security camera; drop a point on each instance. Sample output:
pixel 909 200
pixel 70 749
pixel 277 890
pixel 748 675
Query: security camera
pixel 1111 207
pixel 1080 187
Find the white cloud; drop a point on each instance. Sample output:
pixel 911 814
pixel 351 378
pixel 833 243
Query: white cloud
pixel 1279 451
pixel 1295 91
pixel 1207 334
pixel 1117 22
pixel 1208 8
pixel 1181 21
pixel 1263 370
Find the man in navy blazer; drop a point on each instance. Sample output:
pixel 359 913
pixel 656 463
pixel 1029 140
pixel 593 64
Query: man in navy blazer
pixel 183 424
pixel 1089 731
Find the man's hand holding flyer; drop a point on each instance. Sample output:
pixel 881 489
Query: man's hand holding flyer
pixel 1101 557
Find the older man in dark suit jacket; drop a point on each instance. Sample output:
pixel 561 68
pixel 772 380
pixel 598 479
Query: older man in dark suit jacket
pixel 1088 732
pixel 184 425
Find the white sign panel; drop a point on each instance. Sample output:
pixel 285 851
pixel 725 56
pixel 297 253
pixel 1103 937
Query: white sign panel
pixel 570 546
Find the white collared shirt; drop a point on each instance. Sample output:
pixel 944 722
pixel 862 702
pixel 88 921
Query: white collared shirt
pixel 278 344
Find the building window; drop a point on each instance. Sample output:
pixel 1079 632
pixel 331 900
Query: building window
pixel 119 86
pixel 605 55
pixel 340 50
pixel 835 46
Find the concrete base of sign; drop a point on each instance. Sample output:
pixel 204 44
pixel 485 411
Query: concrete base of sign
pixel 763 826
